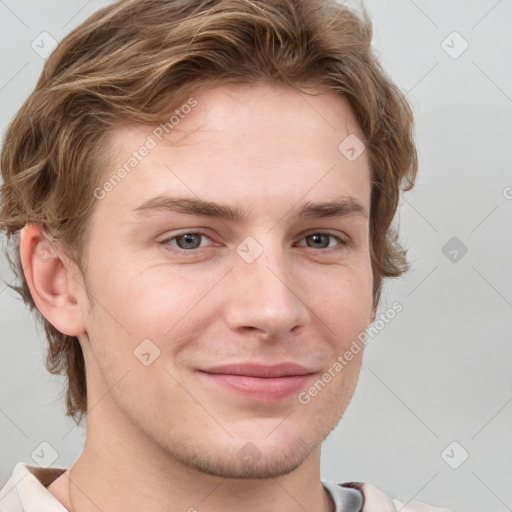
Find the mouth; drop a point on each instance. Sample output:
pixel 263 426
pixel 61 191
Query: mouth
pixel 260 382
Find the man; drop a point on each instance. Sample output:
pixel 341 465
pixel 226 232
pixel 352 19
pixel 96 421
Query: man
pixel 201 197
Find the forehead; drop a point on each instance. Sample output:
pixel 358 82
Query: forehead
pixel 244 140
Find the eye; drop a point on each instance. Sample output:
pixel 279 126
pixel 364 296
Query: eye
pixel 186 241
pixel 192 240
pixel 321 240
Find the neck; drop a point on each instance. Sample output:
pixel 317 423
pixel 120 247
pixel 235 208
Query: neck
pixel 137 474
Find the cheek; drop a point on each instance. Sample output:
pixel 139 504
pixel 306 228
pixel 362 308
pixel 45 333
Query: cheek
pixel 341 299
pixel 139 301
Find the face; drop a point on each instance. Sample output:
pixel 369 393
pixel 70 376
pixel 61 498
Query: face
pixel 219 304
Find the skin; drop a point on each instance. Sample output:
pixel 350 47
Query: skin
pixel 163 436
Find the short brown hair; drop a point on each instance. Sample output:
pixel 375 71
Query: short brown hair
pixel 135 61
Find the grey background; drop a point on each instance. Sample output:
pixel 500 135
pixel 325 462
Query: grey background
pixel 441 370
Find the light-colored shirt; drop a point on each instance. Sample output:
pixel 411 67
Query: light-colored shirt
pixel 26 491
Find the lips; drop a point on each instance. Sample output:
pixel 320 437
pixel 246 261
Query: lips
pixel 260 382
pixel 259 370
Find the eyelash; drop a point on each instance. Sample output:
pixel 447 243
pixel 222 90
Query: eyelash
pixel 166 243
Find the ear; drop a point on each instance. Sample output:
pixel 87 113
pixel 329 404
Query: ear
pixel 54 282
pixel 373 313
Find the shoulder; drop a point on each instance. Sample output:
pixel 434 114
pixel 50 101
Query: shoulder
pixel 376 500
pixel 9 498
pixel 26 490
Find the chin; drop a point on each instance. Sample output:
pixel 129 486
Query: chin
pixel 248 462
pixel 260 454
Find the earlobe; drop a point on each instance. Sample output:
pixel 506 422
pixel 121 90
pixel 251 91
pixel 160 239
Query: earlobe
pixel 54 289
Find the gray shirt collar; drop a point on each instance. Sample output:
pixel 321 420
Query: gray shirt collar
pixel 346 499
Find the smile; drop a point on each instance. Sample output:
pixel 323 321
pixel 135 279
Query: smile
pixel 260 382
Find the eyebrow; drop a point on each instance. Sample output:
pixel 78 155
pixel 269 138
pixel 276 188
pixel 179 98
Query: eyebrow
pixel 339 207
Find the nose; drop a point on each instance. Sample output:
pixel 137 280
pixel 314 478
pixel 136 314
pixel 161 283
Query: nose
pixel 265 297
